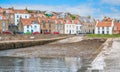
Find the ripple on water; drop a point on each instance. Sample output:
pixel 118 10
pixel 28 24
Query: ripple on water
pixel 67 64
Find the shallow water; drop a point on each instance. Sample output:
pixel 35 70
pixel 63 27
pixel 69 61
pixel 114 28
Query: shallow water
pixel 67 64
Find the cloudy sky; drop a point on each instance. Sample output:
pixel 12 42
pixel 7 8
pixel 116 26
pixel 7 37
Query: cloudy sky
pixel 94 8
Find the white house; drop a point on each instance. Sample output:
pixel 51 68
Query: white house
pixel 72 27
pixel 34 27
pixel 29 25
pixel 78 28
pixel 21 14
pixel 104 27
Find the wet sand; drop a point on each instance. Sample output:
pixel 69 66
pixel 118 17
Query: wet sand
pixel 76 46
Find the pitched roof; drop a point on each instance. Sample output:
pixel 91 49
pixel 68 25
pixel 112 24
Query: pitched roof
pixel 9 11
pixel 21 11
pixel 71 21
pixel 104 24
pixel 29 21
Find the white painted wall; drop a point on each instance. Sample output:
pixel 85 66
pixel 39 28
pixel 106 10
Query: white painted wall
pixel 100 29
pixel 78 28
pixel 18 15
pixel 70 29
pixel 32 27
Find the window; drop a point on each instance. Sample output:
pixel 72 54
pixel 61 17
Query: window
pixel 27 30
pixel 108 28
pixel 35 26
pixel 98 32
pixel 102 32
pixel 67 30
pixel 32 31
pixel 17 20
pixel 27 26
pixel 98 28
pixel 80 27
pixel 77 27
pixel 102 28
pixel 67 26
pixel 25 16
pixel 3 24
pixel 17 16
pixel 107 32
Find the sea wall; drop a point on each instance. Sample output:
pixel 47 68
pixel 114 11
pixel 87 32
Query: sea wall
pixel 5 45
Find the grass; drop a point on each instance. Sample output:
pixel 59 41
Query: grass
pixel 103 35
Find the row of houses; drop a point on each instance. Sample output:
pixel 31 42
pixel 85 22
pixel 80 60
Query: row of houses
pixel 25 20
pixel 43 25
pixel 36 21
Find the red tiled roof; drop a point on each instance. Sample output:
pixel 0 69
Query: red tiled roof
pixel 10 11
pixel 28 21
pixel 104 24
pixel 21 11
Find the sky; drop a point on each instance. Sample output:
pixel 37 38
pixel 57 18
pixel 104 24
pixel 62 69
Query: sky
pixel 95 8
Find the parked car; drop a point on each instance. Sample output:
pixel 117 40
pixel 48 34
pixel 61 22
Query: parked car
pixel 7 32
pixel 35 33
pixel 47 33
pixel 19 32
pixel 28 33
pixel 56 33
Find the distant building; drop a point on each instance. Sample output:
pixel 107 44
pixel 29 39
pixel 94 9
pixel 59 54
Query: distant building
pixel 107 26
pixel 72 27
pixel 21 14
pixel 3 23
pixel 46 24
pixel 88 25
pixel 116 28
pixel 59 26
pixel 29 25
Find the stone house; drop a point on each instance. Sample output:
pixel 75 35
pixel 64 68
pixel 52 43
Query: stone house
pixel 3 23
pixel 46 24
pixel 59 26
pixel 88 25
